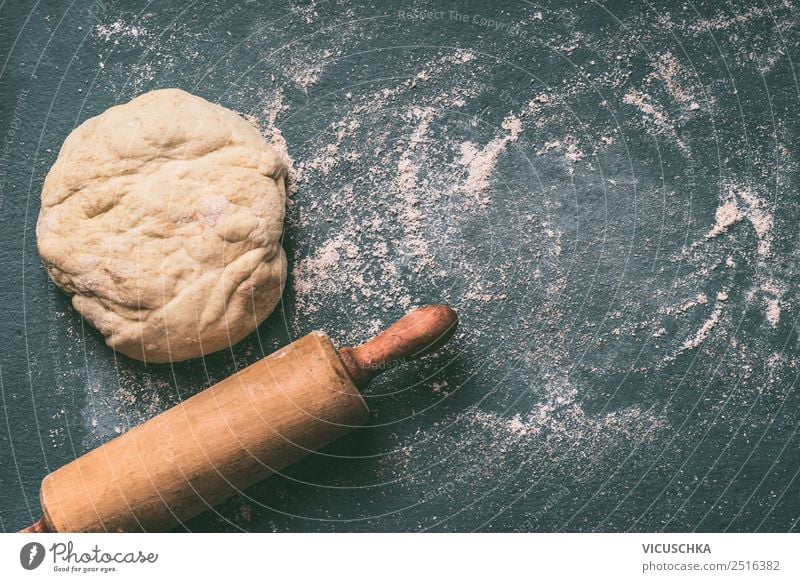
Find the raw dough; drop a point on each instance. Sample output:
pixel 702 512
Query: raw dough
pixel 162 218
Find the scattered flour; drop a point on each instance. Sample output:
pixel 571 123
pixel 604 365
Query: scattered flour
pixel 655 116
pixel 335 264
pixel 670 72
pixel 558 431
pixel 461 57
pixel 700 299
pixel 643 103
pixel 727 215
pixel 772 294
pixel 741 203
pixel 758 216
pixel 739 17
pixel 709 325
pixel 118 30
pixel 480 161
pixel 266 122
pixel 412 219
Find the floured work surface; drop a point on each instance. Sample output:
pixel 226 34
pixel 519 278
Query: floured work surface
pixel 606 196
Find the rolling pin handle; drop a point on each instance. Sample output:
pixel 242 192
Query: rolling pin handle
pixel 38 527
pixel 416 334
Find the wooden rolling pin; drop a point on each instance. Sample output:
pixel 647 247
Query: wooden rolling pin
pixel 231 435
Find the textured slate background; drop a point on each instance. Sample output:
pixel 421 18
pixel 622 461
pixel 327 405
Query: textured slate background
pixel 588 388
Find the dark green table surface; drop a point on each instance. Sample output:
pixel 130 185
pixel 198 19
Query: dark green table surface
pixel 608 193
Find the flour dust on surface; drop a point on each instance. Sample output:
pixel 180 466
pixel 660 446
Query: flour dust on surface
pixel 611 237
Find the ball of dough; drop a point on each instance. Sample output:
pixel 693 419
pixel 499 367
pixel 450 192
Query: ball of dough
pixel 162 219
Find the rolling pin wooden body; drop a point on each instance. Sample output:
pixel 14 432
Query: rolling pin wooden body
pixel 231 435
